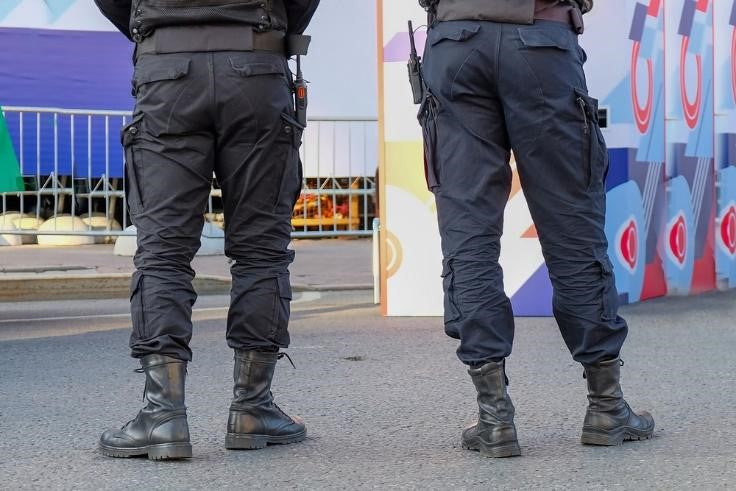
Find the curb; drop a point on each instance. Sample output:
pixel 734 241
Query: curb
pixel 24 288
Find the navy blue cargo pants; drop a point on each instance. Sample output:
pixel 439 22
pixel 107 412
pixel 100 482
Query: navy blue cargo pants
pixel 496 88
pixel 231 114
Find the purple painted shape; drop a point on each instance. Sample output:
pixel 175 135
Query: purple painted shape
pixel 534 299
pixel 733 14
pixel 688 15
pixel 637 24
pixel 69 69
pixel 398 48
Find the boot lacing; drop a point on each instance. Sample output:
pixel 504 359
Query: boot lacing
pixel 281 355
pixel 286 355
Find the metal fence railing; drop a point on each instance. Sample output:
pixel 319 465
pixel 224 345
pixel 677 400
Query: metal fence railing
pixel 72 168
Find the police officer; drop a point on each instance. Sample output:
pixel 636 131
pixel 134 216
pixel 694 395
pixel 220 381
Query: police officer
pixel 502 76
pixel 213 94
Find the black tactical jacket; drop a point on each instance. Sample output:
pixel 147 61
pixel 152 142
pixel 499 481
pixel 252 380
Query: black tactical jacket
pixel 139 18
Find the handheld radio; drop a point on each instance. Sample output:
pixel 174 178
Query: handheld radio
pixel 300 94
pixel 415 69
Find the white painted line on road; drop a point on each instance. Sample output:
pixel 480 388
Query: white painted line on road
pixel 97 316
pixel 304 297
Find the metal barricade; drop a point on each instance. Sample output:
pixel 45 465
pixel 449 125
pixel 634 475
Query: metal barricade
pixel 72 165
pixel 338 194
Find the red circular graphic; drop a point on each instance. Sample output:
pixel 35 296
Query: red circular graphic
pixel 678 240
pixel 728 229
pixel 643 115
pixel 629 245
pixel 692 110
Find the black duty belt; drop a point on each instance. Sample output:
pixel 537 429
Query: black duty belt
pixel 561 12
pixel 186 39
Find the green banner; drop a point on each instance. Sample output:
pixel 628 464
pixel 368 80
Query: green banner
pixel 10 178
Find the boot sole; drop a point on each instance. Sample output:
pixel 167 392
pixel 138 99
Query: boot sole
pixel 597 436
pixel 510 449
pixel 239 441
pixel 162 451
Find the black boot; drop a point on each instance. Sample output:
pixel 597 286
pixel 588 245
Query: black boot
pixel 160 430
pixel 495 434
pixel 609 419
pixel 255 421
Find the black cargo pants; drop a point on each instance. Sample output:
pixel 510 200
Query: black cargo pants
pixel 495 88
pixel 229 113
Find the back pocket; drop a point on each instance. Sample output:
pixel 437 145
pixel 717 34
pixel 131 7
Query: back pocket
pixel 546 37
pixel 444 33
pixel 159 68
pixel 246 66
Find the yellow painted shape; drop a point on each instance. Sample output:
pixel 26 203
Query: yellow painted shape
pixel 405 169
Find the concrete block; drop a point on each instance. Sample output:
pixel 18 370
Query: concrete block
pixel 126 245
pixel 13 220
pixel 213 242
pixel 99 223
pixel 10 239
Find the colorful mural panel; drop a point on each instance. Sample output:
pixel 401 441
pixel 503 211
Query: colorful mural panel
pixel 689 238
pixel 636 139
pixel 725 148
pixel 665 74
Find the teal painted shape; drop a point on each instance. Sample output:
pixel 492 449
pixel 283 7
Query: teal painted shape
pixel 10 178
pixel 7 6
pixel 58 7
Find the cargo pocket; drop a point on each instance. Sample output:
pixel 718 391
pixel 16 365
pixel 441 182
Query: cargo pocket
pixel 282 310
pixel 427 116
pixel 452 313
pixel 137 307
pixel 594 154
pixel 609 294
pixel 158 69
pixel 246 67
pixel 128 137
pixel 546 37
pixel 163 93
pixel 450 33
pixel 291 174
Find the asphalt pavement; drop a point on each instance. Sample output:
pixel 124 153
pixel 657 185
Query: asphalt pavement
pixel 384 399
pixel 314 263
